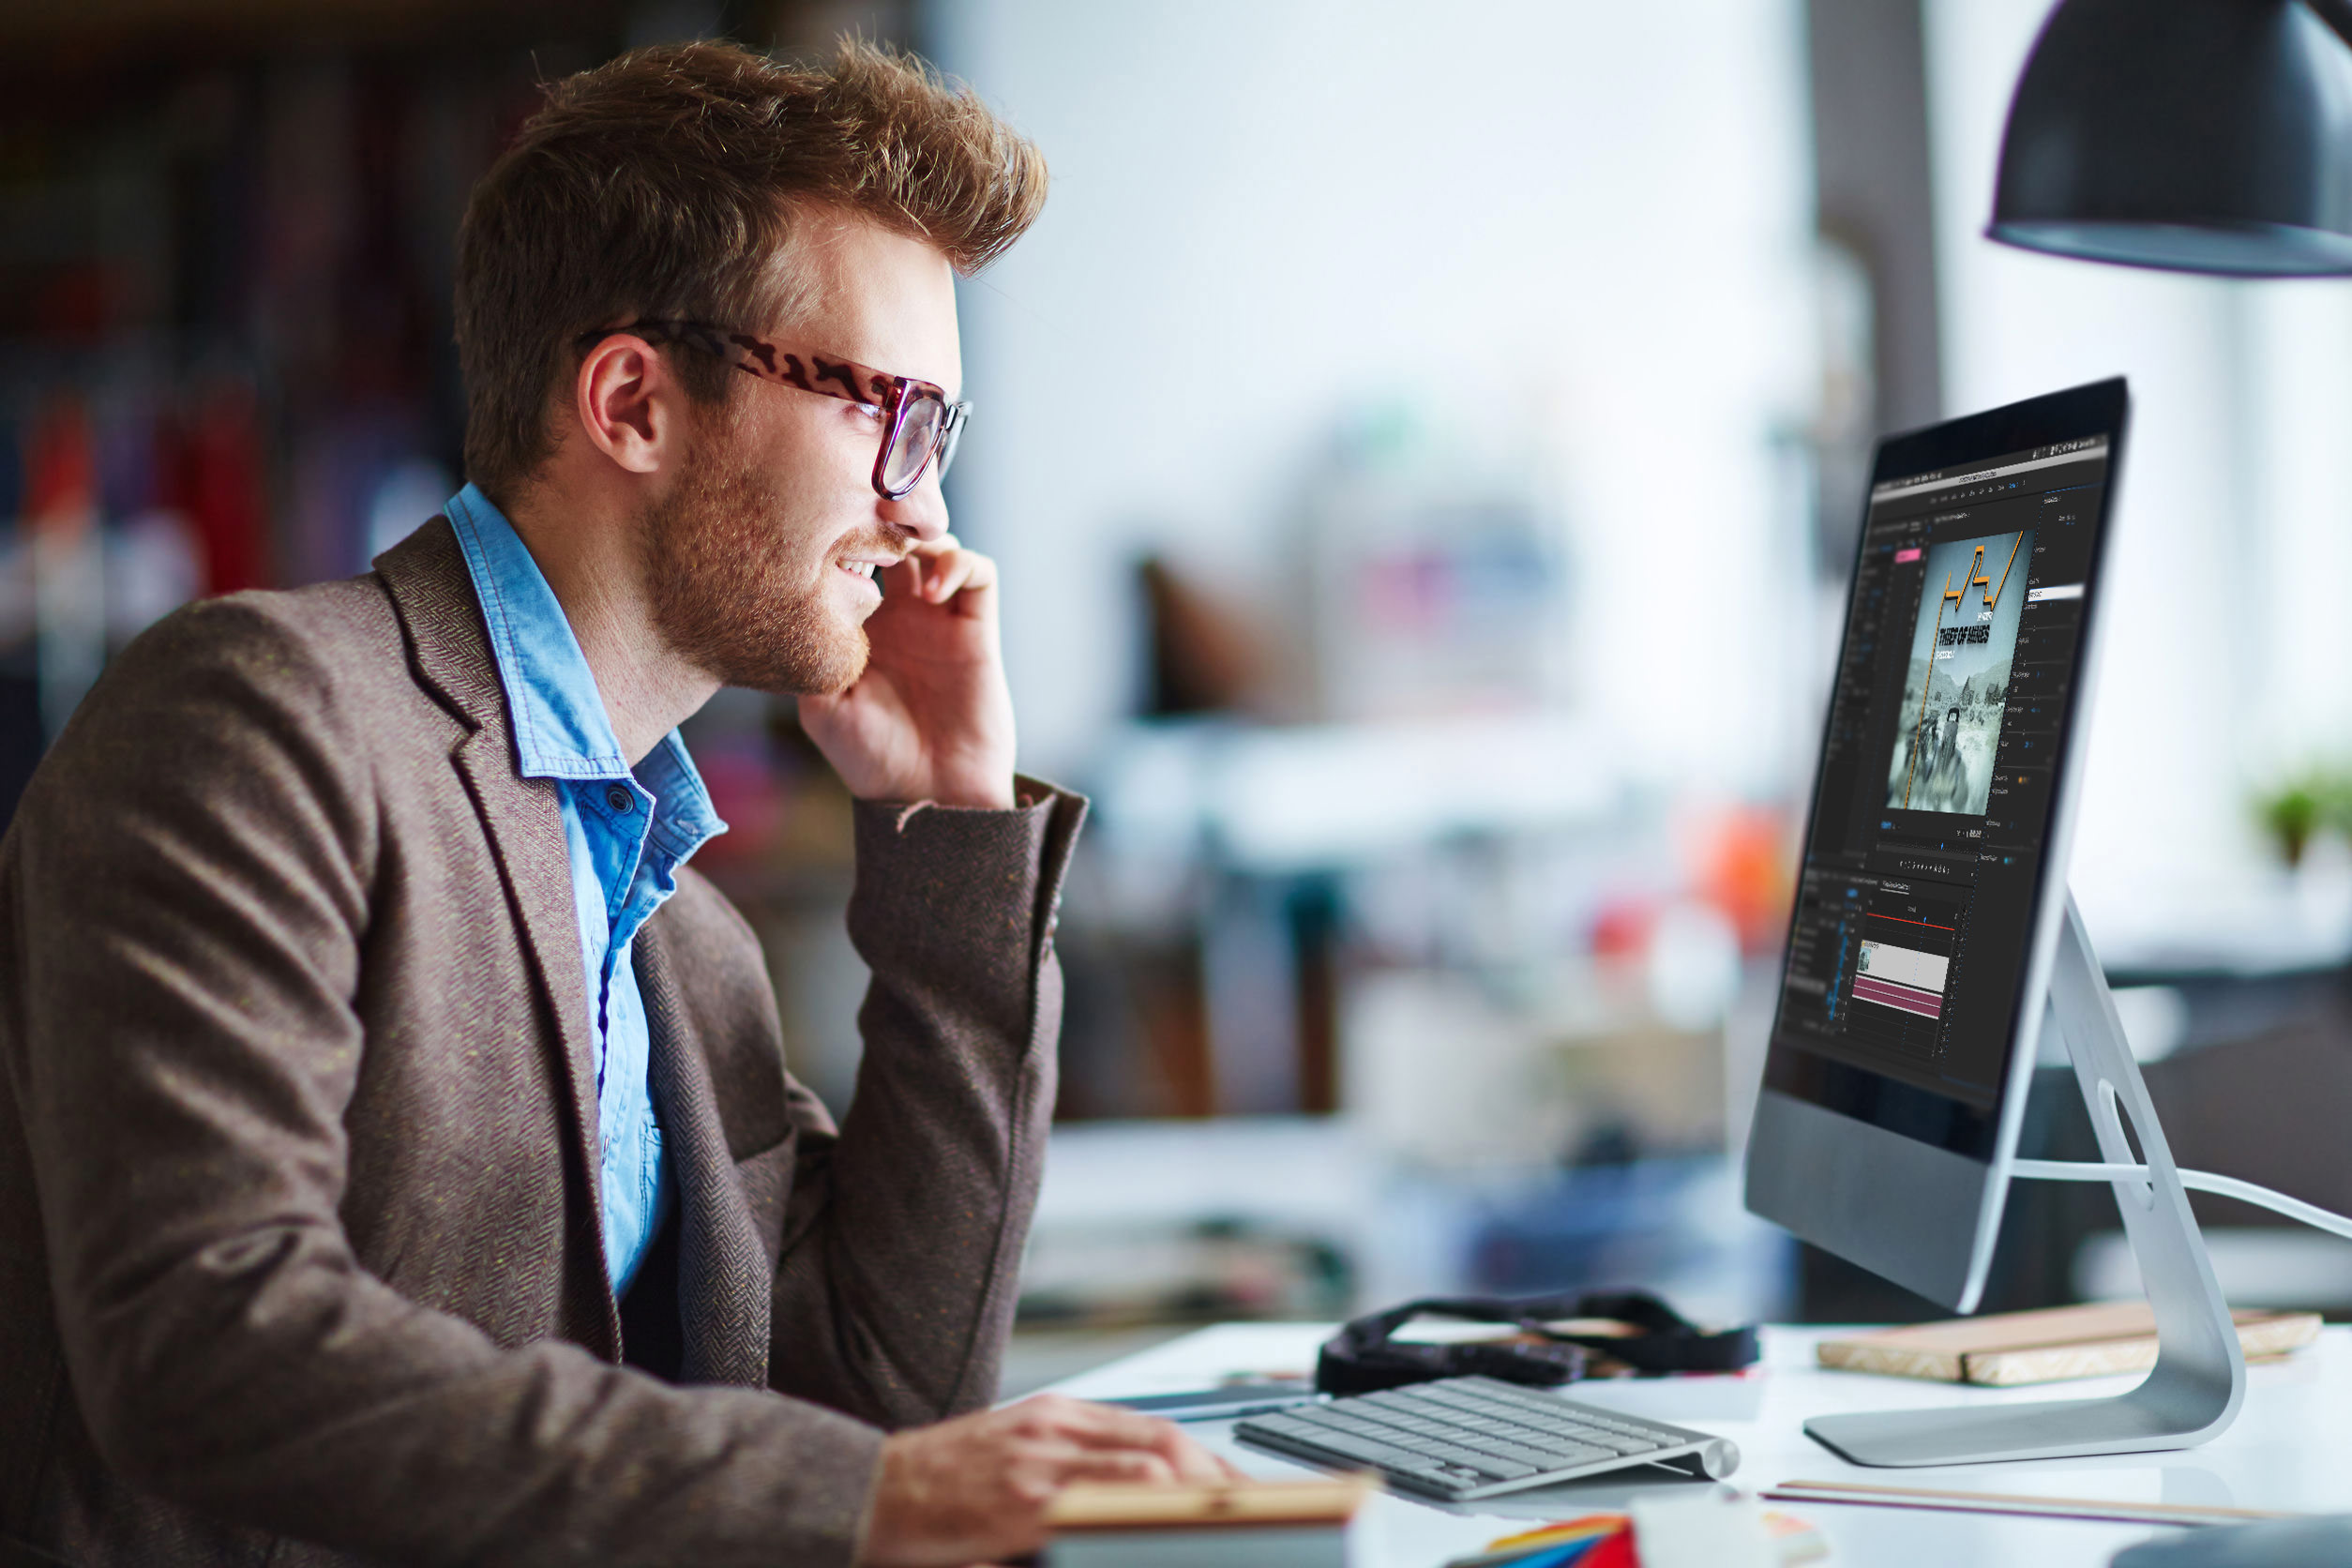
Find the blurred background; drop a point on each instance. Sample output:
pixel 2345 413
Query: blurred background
pixel 1425 447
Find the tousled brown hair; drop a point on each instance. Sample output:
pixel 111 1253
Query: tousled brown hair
pixel 661 184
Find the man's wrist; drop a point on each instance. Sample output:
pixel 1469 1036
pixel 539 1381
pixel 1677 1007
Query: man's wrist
pixel 999 800
pixel 1003 796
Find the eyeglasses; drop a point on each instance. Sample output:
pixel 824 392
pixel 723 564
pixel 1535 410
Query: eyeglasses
pixel 919 423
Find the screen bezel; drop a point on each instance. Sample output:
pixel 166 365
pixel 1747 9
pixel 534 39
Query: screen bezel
pixel 1835 1094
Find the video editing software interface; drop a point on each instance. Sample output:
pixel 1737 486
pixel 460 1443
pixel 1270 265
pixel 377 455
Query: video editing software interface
pixel 1917 894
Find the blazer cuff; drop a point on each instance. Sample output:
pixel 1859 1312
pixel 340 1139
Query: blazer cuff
pixel 870 1453
pixel 961 893
pixel 829 1466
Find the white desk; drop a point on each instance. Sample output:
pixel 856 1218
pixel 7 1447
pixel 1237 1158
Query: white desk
pixel 2290 1449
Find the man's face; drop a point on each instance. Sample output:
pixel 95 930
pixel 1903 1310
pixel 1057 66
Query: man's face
pixel 762 553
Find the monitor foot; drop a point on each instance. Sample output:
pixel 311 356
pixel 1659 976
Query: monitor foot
pixel 2050 1429
pixel 2192 1393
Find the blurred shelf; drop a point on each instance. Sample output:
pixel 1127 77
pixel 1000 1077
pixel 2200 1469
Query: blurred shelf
pixel 2262 922
pixel 1278 799
pixel 1402 1229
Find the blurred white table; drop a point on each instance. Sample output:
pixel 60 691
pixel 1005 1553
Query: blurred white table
pixel 2291 1449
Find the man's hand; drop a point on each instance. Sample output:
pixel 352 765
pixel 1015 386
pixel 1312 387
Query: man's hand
pixel 975 1488
pixel 932 718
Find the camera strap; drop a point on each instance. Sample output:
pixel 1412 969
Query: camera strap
pixel 1641 1332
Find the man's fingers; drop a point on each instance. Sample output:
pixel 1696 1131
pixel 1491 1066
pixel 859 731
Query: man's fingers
pixel 939 569
pixel 979 1486
pixel 1196 1466
pixel 1104 1425
pixel 905 576
pixel 1127 1466
pixel 942 577
pixel 945 574
pixel 1111 1427
pixel 1108 1426
pixel 920 551
pixel 965 572
pixel 1185 1457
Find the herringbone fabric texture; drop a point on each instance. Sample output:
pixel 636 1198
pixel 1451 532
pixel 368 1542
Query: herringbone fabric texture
pixel 299 1256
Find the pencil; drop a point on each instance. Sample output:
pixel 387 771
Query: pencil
pixel 1866 1493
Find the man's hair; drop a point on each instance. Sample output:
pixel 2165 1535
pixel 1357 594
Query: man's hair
pixel 661 184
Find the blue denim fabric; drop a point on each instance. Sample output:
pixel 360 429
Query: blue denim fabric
pixel 628 833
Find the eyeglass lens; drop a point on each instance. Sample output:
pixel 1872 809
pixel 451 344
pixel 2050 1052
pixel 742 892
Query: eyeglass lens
pixel 917 438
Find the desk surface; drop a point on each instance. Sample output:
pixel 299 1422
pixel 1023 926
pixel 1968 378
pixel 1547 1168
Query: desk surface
pixel 2290 1449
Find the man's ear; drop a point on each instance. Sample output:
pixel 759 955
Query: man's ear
pixel 628 402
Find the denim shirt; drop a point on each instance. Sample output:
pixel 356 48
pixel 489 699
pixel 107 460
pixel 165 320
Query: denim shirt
pixel 628 833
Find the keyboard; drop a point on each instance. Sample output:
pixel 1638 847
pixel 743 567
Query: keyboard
pixel 1464 1437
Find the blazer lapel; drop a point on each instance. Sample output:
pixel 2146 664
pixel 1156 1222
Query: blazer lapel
pixel 427 578
pixel 526 834
pixel 723 1275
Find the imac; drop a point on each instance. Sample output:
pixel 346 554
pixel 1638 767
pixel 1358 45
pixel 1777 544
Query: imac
pixel 1933 930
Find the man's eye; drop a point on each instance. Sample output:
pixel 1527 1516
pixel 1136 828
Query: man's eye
pixel 871 411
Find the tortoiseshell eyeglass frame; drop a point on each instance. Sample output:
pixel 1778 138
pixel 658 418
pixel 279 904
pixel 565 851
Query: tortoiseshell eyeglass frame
pixel 888 398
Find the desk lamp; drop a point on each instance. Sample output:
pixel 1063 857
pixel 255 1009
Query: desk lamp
pixel 2210 136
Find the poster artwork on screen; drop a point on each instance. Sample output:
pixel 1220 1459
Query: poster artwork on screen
pixel 1957 689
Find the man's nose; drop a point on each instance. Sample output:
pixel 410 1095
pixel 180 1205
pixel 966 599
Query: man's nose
pixel 921 512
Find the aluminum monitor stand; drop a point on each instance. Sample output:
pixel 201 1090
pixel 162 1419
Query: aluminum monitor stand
pixel 2192 1393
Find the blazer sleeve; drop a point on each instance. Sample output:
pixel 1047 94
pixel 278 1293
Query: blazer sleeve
pixel 903 1234
pixel 188 883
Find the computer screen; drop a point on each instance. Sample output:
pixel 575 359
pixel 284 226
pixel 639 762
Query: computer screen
pixel 1921 878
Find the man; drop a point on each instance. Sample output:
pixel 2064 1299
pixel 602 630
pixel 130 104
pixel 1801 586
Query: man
pixel 397 1162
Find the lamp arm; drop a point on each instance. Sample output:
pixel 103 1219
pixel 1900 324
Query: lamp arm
pixel 2337 14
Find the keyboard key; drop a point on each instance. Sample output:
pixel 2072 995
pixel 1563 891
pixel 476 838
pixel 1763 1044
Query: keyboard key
pixel 1370 1450
pixel 1460 1454
pixel 1286 1424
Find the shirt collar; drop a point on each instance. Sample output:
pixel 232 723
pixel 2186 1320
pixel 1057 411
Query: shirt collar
pixel 559 724
pixel 683 817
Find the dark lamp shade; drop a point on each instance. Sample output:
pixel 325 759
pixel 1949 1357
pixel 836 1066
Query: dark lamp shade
pixel 2207 136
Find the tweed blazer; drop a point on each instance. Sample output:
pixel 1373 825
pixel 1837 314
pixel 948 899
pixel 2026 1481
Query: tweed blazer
pixel 300 1257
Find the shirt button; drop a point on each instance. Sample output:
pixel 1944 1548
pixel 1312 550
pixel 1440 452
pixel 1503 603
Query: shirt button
pixel 619 799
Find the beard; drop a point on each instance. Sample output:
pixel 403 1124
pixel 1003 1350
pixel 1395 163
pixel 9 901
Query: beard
pixel 732 593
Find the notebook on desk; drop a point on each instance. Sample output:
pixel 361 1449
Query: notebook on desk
pixel 2008 1349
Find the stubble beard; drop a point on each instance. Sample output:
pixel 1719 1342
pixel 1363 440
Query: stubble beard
pixel 730 594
